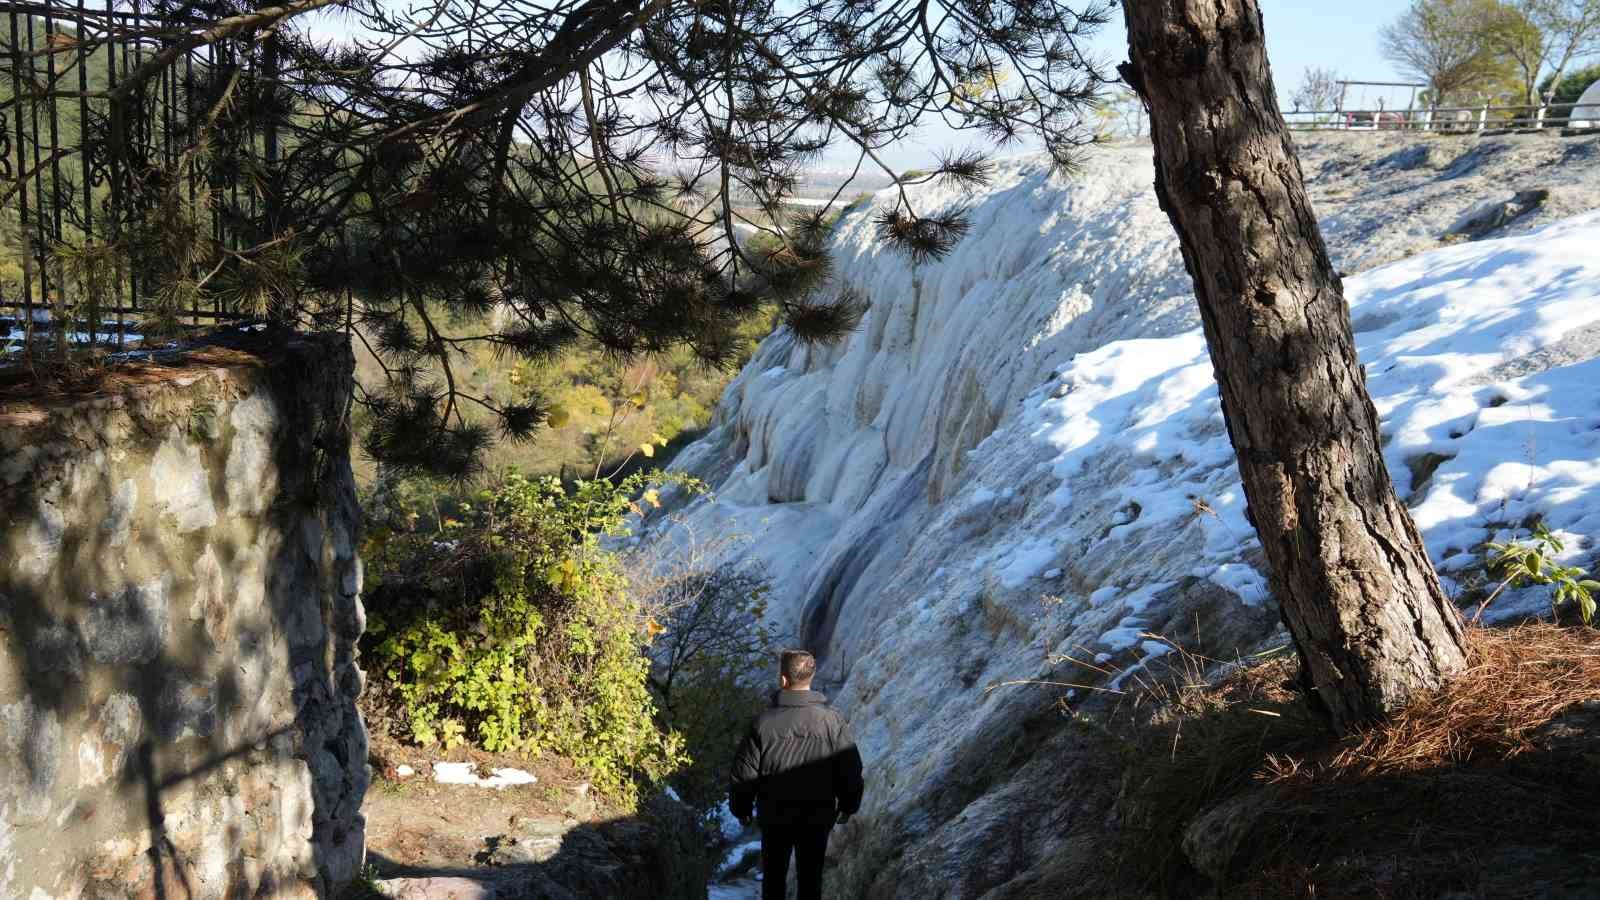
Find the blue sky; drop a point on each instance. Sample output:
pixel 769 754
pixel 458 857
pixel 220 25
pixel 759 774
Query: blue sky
pixel 1301 34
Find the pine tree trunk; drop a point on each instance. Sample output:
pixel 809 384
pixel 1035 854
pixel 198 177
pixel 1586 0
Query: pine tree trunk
pixel 1356 587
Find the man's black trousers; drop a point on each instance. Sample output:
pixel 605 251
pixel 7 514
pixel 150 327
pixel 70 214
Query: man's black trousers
pixel 808 843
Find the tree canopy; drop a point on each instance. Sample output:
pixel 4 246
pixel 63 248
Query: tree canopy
pixel 1468 48
pixel 531 176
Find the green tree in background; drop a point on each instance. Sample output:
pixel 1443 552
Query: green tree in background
pixel 1540 36
pixel 1565 95
pixel 1447 45
pixel 1467 49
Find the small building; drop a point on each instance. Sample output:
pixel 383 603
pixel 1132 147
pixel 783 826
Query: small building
pixel 1587 113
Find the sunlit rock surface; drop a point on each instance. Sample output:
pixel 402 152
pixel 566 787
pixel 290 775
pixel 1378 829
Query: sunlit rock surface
pixel 1020 457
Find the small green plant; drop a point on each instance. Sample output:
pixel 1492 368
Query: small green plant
pixel 202 421
pixel 713 662
pixel 508 625
pixel 365 885
pixel 1534 562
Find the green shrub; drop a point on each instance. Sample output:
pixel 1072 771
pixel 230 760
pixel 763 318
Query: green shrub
pixel 711 710
pixel 680 857
pixel 1534 562
pixel 508 625
pixel 1567 94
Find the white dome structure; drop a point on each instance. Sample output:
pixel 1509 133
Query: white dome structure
pixel 1587 113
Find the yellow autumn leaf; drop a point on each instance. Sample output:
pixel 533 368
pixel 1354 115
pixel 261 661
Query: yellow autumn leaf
pixel 657 439
pixel 653 498
pixel 563 574
pixel 638 399
pixel 654 628
pixel 979 86
pixel 647 449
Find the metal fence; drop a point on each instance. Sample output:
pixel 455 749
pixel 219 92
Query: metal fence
pixel 1488 113
pixel 1453 119
pixel 85 142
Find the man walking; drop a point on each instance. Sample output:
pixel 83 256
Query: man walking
pixel 799 767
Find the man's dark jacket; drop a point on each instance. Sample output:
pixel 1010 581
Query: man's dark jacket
pixel 798 765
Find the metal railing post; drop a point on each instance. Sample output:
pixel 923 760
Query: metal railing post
pixel 26 306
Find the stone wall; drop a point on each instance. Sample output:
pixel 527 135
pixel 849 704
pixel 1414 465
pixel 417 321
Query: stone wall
pixel 179 609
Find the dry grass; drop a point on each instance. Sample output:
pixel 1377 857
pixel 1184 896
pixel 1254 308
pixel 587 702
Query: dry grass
pixel 28 394
pixel 1518 679
pixel 1191 743
pixel 1453 792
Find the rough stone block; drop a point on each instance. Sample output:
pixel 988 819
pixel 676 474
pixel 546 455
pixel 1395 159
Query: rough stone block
pixel 31 735
pixel 180 484
pixel 56 648
pixel 41 543
pixel 442 888
pixel 186 711
pixel 311 534
pixel 305 628
pixel 350 579
pixel 251 477
pixel 152 636
pixel 130 625
pixel 119 518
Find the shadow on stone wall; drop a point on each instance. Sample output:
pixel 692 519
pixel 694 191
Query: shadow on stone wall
pixel 179 603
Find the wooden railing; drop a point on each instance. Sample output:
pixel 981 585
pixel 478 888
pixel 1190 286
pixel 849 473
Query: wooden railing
pixel 1483 117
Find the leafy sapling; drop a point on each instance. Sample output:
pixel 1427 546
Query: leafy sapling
pixel 1534 562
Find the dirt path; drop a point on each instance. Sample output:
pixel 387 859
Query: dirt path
pixel 417 823
pixel 552 839
pixel 418 827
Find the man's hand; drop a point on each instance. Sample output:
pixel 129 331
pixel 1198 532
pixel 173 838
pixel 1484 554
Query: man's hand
pixel 844 818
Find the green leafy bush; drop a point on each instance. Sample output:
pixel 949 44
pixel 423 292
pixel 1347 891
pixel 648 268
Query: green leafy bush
pixel 1534 562
pixel 1567 94
pixel 508 625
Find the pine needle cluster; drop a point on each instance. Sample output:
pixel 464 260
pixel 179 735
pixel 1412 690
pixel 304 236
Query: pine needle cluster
pixel 536 177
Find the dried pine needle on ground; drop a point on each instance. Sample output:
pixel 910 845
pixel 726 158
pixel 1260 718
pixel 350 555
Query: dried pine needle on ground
pixel 1490 785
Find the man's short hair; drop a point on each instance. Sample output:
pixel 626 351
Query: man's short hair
pixel 798 666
